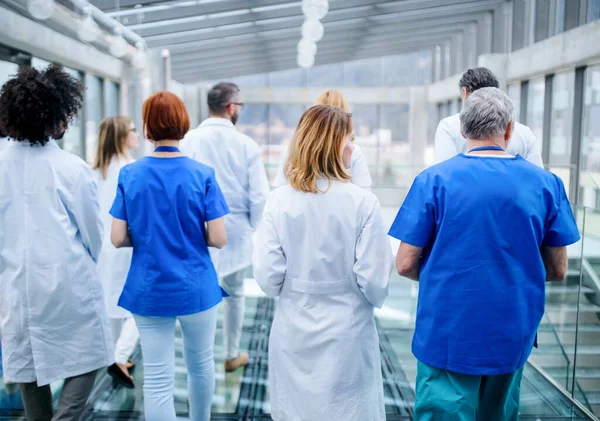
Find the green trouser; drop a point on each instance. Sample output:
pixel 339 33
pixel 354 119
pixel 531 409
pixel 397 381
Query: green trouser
pixel 446 396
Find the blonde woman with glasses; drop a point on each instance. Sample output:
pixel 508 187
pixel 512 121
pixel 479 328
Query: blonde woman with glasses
pixel 357 165
pixel 322 249
pixel 117 135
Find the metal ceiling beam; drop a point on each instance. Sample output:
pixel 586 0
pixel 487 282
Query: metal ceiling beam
pixel 397 13
pixel 289 61
pixel 158 25
pixel 335 48
pixel 234 49
pixel 127 7
pixel 193 77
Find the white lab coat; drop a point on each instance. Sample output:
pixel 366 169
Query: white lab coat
pixel 449 141
pixel 52 316
pixel 358 168
pixel 113 263
pixel 328 259
pixel 4 142
pixel 242 177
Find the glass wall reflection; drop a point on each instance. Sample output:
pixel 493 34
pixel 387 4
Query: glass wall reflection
pixel 535 109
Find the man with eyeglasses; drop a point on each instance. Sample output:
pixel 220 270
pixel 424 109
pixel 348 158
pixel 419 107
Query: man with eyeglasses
pixel 240 172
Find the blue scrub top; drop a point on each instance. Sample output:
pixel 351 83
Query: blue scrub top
pixel 481 221
pixel 166 203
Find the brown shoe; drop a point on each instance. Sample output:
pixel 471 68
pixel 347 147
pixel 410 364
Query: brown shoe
pixel 240 361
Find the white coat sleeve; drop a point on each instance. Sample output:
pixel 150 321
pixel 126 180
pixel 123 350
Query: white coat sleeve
pixel 374 259
pixel 268 260
pixel 360 170
pixel 86 212
pixel 280 179
pixel 258 185
pixel 533 153
pixel 445 148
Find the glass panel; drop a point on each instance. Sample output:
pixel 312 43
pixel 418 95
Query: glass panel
pixel 586 338
pixel 594 12
pixel 325 76
pixel 39 63
pixel 514 92
pixel 365 119
pixel 7 70
pixel 407 69
pixel 283 120
pixel 111 99
pixel 535 109
pixel 560 16
pixel 93 114
pixel 561 129
pixel 72 140
pixel 251 81
pixel 285 78
pixel 396 153
pixel 590 147
pixel 363 73
pixel 253 122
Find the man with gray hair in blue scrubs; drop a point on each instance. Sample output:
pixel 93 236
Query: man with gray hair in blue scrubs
pixel 482 232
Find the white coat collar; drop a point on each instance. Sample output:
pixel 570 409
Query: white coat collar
pixel 51 143
pixel 217 121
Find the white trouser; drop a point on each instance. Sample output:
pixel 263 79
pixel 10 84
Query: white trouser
pixel 234 307
pixel 125 335
pixel 157 336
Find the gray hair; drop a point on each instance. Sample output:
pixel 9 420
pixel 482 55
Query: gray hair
pixel 486 113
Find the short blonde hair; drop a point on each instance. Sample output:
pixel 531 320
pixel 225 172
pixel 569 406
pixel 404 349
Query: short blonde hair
pixel 333 98
pixel 316 148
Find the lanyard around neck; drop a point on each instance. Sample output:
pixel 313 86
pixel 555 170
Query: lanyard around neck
pixel 167 149
pixel 486 148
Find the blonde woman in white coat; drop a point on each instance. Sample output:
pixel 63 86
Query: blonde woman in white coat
pixel 322 249
pixel 117 135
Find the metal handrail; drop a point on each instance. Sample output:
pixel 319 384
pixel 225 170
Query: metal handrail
pixel 563 391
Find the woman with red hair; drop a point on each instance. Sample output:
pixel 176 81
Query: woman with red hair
pixel 170 209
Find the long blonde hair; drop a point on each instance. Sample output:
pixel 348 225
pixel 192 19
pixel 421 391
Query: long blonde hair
pixel 333 98
pixel 112 141
pixel 316 148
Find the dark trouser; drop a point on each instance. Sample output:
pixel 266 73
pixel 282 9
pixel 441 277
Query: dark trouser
pixel 446 396
pixel 75 392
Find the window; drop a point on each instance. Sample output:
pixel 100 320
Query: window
pixel 283 120
pixel 7 70
pixel 561 140
pixel 93 114
pixel 365 119
pixel 253 122
pixel 288 78
pixel 325 76
pixel 363 73
pixel 111 99
pixel 514 92
pixel 535 109
pixel 590 145
pixel 594 10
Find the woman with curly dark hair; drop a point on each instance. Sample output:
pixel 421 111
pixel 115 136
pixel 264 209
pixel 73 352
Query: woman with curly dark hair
pixel 52 315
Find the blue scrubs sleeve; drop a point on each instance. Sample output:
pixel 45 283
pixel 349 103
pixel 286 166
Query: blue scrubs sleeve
pixel 118 209
pixel 215 204
pixel 562 228
pixel 415 221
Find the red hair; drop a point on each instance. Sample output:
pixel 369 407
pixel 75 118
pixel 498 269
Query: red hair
pixel 165 117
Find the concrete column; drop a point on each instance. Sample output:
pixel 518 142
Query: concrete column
pixel 471 46
pixel 417 125
pixel 437 63
pixel 459 53
pixel 134 91
pixel 484 38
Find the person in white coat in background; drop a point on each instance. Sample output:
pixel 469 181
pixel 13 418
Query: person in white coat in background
pixel 116 136
pixel 358 167
pixel 449 141
pixel 322 249
pixel 241 174
pixel 52 316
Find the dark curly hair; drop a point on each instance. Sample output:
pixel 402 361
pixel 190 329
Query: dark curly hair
pixel 38 105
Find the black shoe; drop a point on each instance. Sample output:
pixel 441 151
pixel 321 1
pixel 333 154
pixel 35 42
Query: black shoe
pixel 121 378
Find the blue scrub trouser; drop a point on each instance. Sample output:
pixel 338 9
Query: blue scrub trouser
pixel 446 396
